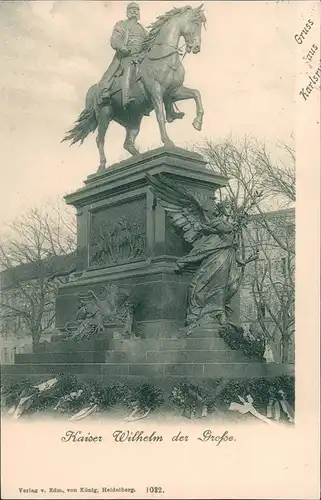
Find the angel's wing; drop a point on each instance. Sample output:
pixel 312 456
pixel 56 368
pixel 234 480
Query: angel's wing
pixel 183 207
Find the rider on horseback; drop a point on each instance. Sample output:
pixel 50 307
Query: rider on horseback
pixel 127 40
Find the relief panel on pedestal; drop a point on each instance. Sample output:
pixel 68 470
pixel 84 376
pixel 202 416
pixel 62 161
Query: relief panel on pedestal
pixel 118 234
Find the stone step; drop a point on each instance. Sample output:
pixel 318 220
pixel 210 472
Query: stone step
pixel 72 346
pixel 200 332
pixel 150 370
pixel 133 345
pixel 169 372
pixel 170 344
pixel 193 356
pixel 123 356
pixel 61 357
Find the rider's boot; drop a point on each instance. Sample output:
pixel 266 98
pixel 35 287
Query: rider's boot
pixel 175 116
pixel 171 114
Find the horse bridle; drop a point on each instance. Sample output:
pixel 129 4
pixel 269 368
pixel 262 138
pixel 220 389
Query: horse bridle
pixel 176 51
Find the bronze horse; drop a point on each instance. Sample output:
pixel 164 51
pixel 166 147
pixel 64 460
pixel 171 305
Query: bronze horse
pixel 158 83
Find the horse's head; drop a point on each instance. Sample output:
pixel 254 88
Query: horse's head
pixel 192 31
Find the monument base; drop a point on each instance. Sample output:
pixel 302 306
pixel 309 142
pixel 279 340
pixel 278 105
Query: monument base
pixel 201 357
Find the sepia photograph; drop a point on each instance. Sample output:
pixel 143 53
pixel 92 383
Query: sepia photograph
pixel 159 250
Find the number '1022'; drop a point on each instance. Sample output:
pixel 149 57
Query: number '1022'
pixel 154 489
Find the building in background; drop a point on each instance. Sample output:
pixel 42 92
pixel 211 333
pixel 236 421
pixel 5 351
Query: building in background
pixel 27 303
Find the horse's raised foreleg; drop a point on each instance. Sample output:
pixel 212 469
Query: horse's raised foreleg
pixel 184 93
pixel 103 118
pixel 132 132
pixel 156 93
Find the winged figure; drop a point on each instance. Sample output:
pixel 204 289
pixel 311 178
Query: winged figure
pixel 215 243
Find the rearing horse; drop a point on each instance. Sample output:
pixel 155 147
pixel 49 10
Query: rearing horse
pixel 158 83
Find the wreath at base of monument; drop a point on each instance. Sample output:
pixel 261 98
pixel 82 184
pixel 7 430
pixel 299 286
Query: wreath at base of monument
pixel 236 339
pixel 264 399
pixel 193 400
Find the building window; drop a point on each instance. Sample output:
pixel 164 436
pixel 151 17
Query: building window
pixel 5 353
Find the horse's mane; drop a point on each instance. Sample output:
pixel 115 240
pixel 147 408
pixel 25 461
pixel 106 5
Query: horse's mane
pixel 159 23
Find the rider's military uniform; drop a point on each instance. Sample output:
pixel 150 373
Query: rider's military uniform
pixel 128 34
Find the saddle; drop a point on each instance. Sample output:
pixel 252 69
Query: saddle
pixel 136 86
pixel 135 78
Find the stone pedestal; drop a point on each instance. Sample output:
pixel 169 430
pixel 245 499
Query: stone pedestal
pixel 126 238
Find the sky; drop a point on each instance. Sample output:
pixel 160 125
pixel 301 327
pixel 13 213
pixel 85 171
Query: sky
pixel 53 51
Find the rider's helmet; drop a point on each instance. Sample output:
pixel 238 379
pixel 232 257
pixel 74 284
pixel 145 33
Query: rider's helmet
pixel 132 6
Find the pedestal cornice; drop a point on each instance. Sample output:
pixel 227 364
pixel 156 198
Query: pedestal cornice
pixel 183 165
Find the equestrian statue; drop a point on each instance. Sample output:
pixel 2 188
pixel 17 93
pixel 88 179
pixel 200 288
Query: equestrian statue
pixel 145 74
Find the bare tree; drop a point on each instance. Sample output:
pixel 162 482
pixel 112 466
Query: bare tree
pixel 278 178
pixel 271 283
pixel 257 184
pixel 32 263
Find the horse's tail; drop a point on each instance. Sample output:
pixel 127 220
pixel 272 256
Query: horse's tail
pixel 85 124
